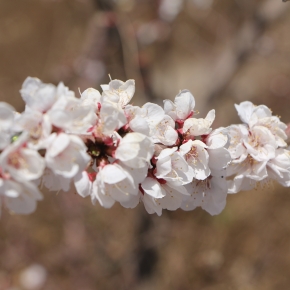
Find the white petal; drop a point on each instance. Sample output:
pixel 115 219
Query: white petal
pixel 25 203
pixel 104 199
pixel 83 184
pixel 245 111
pixel 185 103
pixel 112 174
pixel 153 113
pixel 219 158
pixel 132 202
pixel 151 204
pixel 217 139
pixel 152 187
pixel 139 124
pixel 183 106
pixel 165 132
pixel 170 109
pixel 172 200
pixel 163 166
pixel 137 174
pixel 91 96
pixel 135 149
pixel 37 95
pixel 197 127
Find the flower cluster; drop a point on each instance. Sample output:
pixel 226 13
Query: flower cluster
pixel 101 146
pixel 258 149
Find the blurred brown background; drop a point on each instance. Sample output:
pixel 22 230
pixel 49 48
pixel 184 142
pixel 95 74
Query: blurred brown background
pixel 225 52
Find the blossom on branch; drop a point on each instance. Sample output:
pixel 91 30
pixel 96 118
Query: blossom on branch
pixel 258 149
pixel 102 147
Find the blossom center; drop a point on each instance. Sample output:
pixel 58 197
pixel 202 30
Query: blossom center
pixel 16 160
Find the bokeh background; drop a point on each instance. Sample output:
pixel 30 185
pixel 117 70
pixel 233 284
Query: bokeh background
pixel 224 52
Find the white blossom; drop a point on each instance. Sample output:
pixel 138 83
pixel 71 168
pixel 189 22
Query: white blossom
pixel 182 108
pixel 146 119
pixel 244 175
pixel 40 96
pixel 83 184
pixel 197 127
pixel 55 182
pixel 276 127
pixel 115 182
pixel 255 149
pixel 119 92
pixel 132 202
pixel 37 125
pixel 153 188
pixel 211 191
pixel 210 194
pixel 279 167
pixel 20 162
pixel 19 197
pixel 100 146
pixel 91 97
pixel 197 158
pixel 217 148
pixel 261 144
pixel 71 115
pixel 238 134
pixel 127 188
pixel 165 132
pixel 66 155
pixel 111 118
pixel 174 197
pixel 172 167
pixel 245 111
pixel 135 150
pixel 99 194
pixel 262 116
pixel 105 184
pixel 151 204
